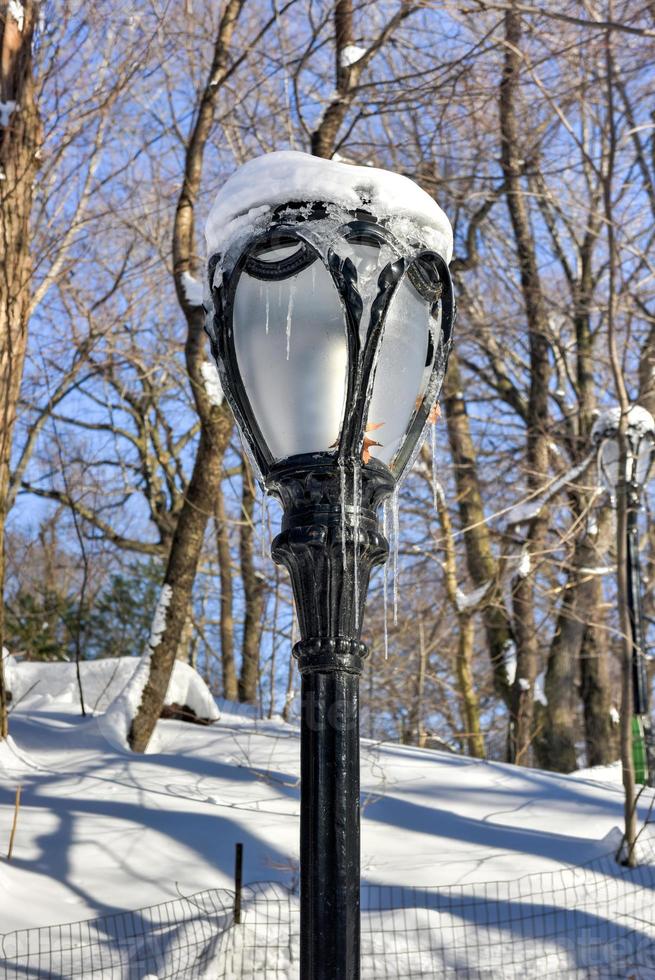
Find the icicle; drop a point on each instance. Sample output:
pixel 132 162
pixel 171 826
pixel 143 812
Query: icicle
pixel 342 476
pixel 313 277
pixel 396 529
pixel 385 580
pixel 268 309
pixel 292 293
pixel 356 510
pixel 435 482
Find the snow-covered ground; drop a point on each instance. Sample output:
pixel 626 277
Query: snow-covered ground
pixel 100 829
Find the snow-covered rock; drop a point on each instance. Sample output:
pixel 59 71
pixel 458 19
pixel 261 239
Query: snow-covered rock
pixel 265 182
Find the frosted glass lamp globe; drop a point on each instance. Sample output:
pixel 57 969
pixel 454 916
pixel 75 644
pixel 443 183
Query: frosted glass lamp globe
pixel 640 445
pixel 331 323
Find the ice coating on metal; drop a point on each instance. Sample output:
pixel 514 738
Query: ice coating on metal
pixel 357 506
pixel 342 500
pixel 258 186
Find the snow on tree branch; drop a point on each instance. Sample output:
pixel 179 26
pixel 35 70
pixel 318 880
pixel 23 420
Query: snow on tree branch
pixel 525 512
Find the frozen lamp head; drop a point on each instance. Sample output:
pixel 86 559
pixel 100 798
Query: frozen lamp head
pixel 331 312
pixel 640 443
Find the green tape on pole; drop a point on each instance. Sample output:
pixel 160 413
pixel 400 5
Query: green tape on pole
pixel 639 750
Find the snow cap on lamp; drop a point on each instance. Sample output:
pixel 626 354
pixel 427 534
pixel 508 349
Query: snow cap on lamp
pixel 248 196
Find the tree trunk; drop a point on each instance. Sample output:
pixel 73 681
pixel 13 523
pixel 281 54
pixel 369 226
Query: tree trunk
pixel 415 732
pixel 600 733
pixel 627 707
pixel 229 674
pixel 289 693
pixel 20 141
pixel 523 592
pixel 185 645
pixel 215 418
pixel 480 559
pixel 348 73
pixel 595 682
pixel 527 653
pixel 465 641
pixel 579 638
pixel 470 703
pixel 253 590
pixel 555 742
pixel 180 575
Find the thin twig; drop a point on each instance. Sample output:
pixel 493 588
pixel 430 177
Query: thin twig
pixel 14 822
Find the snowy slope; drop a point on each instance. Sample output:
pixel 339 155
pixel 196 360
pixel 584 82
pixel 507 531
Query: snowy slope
pixel 100 829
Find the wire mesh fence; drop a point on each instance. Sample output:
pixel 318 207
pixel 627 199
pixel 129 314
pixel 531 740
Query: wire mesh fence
pixel 592 921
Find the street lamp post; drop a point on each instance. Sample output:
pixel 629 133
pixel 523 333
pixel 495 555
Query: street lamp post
pixel 640 435
pixel 330 321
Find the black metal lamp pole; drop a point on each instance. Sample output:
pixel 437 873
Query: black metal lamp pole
pixel 328 324
pixel 645 767
pixel 641 439
pixel 639 680
pixel 330 580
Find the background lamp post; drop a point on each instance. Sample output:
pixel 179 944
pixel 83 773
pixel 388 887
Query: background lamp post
pixel 640 435
pixel 330 321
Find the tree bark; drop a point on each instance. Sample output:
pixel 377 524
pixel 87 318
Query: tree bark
pixel 580 638
pixel 180 575
pixel 555 741
pixel 253 590
pixel 184 648
pixel 415 734
pixel 20 141
pixel 229 674
pixel 480 559
pixel 470 703
pixel 465 642
pixel 599 731
pixel 523 591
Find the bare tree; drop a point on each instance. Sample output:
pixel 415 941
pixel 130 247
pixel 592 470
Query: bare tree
pixel 216 422
pixel 20 142
pixel 537 407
